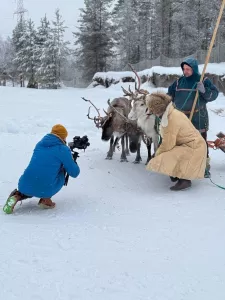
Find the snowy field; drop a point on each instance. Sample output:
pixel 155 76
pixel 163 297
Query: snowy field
pixel 117 232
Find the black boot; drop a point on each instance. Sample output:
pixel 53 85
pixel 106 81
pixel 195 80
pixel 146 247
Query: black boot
pixel 173 179
pixel 182 184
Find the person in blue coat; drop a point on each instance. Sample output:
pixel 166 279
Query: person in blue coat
pixel 45 175
pixel 183 93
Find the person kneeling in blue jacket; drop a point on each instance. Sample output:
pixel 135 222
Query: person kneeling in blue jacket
pixel 45 175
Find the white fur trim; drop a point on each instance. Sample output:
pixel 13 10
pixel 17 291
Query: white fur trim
pixel 117 134
pixel 164 121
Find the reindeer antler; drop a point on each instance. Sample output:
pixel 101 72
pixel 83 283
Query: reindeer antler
pixel 131 91
pixel 126 93
pixel 97 120
pixel 88 115
pixel 139 80
pixel 92 105
pixel 107 114
pixel 143 92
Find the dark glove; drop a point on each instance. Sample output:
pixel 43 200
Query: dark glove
pixel 200 87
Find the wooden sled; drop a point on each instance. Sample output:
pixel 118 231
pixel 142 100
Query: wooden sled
pixel 219 143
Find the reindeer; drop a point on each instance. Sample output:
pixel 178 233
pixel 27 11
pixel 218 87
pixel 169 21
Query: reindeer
pixel 145 121
pixel 115 124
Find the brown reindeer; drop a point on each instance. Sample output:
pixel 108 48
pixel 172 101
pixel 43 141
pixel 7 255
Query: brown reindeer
pixel 115 125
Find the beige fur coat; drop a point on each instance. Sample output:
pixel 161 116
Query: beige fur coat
pixel 183 151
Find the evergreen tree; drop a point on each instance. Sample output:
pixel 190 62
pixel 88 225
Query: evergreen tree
pixel 94 38
pixel 45 55
pixel 19 45
pixel 30 51
pixel 60 47
pixel 6 56
pixel 127 31
pixel 7 69
pixel 52 51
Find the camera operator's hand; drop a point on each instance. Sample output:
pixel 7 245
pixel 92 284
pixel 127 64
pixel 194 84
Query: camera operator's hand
pixel 69 165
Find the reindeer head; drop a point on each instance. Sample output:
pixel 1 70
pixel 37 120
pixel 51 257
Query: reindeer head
pixel 138 109
pixel 98 120
pixel 113 121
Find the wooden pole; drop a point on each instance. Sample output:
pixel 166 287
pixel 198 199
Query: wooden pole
pixel 208 55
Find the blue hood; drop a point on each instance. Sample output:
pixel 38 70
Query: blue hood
pixel 193 63
pixel 50 140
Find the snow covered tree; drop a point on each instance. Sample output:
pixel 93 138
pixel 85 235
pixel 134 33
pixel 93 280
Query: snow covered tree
pixel 7 70
pixel 137 30
pixel 145 29
pixel 192 27
pixel 45 56
pixel 94 38
pixel 52 51
pixel 24 39
pixel 166 13
pixel 6 55
pixel 19 44
pixel 149 29
pixel 60 47
pixel 30 63
pixel 207 18
pixel 126 31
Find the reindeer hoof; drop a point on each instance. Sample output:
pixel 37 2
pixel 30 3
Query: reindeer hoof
pixel 123 160
pixel 108 158
pixel 148 160
pixel 137 160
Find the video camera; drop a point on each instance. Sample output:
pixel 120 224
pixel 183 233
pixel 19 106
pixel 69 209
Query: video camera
pixel 80 143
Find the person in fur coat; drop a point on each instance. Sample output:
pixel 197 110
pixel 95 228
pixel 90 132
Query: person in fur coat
pixel 182 153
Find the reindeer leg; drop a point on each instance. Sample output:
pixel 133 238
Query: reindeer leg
pixel 155 140
pixel 138 158
pixel 123 154
pixel 149 146
pixel 127 145
pixel 116 144
pixel 110 152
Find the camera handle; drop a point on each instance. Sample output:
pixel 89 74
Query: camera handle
pixel 75 156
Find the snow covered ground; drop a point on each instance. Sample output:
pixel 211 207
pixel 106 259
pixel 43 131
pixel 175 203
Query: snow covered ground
pixel 117 232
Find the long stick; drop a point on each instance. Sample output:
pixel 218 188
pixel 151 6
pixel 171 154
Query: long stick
pixel 208 56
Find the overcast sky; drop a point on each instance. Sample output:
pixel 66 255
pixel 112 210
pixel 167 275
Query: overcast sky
pixel 36 10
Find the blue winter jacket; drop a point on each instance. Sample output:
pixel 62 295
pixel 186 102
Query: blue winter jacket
pixel 183 93
pixel 44 176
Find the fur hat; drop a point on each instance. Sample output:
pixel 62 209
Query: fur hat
pixel 60 131
pixel 157 103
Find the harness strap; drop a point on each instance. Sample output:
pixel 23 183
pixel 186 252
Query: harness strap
pixel 196 110
pixel 186 90
pixel 193 90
